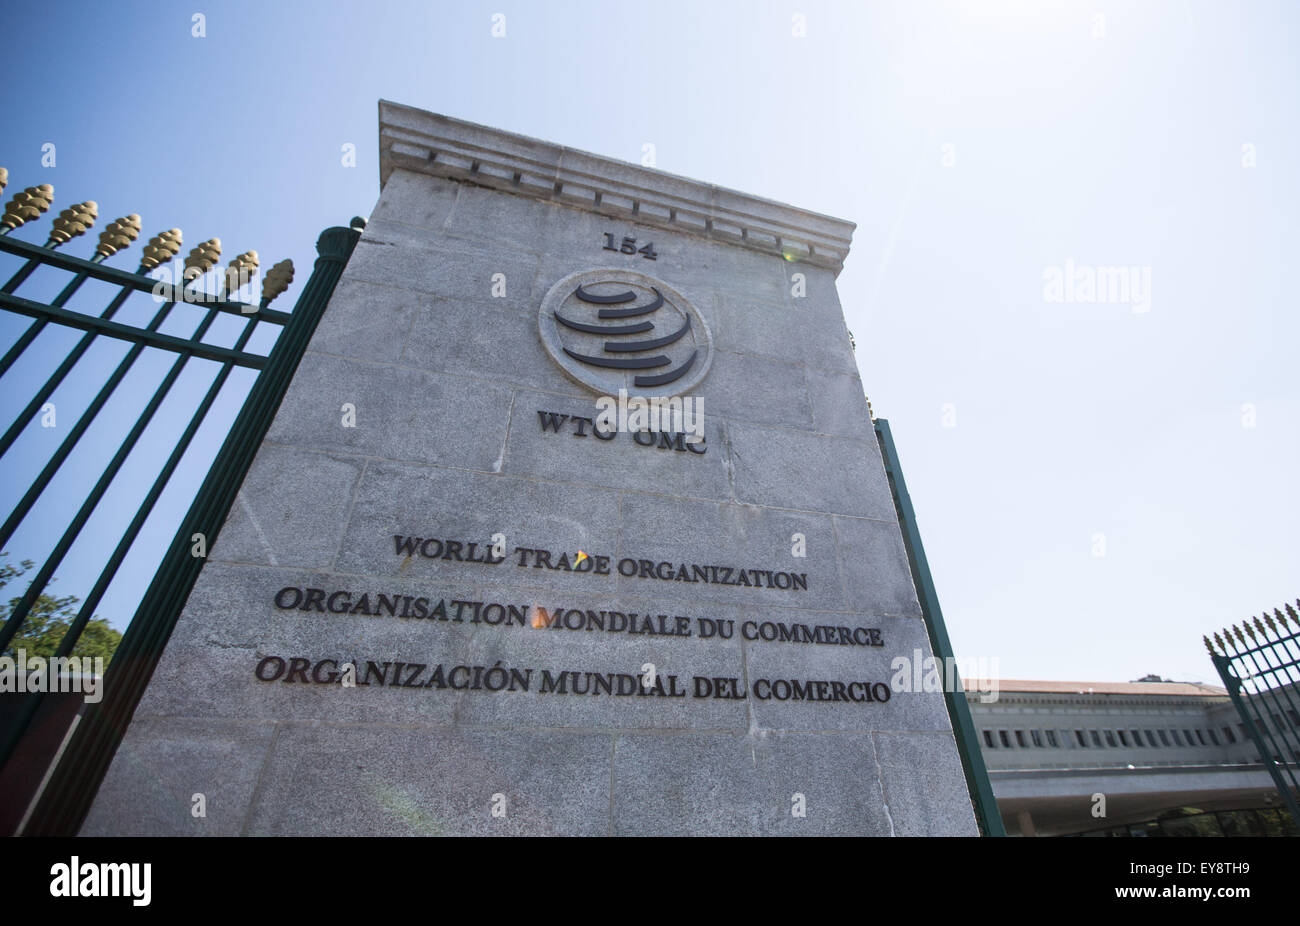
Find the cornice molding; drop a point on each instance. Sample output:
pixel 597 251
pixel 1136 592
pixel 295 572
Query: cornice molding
pixel 428 143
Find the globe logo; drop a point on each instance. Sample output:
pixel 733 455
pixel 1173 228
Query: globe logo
pixel 612 329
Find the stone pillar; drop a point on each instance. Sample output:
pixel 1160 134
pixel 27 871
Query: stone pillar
pixel 447 601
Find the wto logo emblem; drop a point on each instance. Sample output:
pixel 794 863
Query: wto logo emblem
pixel 618 329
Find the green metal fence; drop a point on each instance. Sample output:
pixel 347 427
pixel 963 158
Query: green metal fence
pixel 963 725
pixel 1259 663
pixel 49 781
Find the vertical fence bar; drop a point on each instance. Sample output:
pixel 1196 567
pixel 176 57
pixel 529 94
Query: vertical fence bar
pixel 28 413
pixel 1264 697
pixel 33 700
pixel 160 483
pixel 963 726
pixel 68 791
pixel 1231 681
pixel 55 557
pixel 1290 645
pixel 69 443
pixel 1272 652
pixel 38 326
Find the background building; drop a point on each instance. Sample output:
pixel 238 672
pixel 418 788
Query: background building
pixel 1126 758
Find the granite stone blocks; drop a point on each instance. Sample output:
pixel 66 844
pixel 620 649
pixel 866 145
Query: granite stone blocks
pixel 548 630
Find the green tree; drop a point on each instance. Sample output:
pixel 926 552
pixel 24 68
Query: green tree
pixel 49 619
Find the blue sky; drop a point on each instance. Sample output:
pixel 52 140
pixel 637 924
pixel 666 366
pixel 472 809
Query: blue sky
pixel 976 145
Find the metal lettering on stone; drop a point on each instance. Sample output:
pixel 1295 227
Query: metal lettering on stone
pixel 612 329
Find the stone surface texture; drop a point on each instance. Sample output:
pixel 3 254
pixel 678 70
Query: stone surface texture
pixel 432 337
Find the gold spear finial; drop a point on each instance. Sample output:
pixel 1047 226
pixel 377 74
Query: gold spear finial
pixel 202 258
pixel 240 270
pixel 161 248
pixel 276 281
pixel 118 236
pixel 1209 646
pixel 1291 612
pixel 27 205
pixel 1268 619
pixel 73 221
pixel 1249 629
pixel 1240 636
pixel 1219 640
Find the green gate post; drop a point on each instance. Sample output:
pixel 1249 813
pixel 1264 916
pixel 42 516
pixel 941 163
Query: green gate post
pixel 96 733
pixel 963 726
